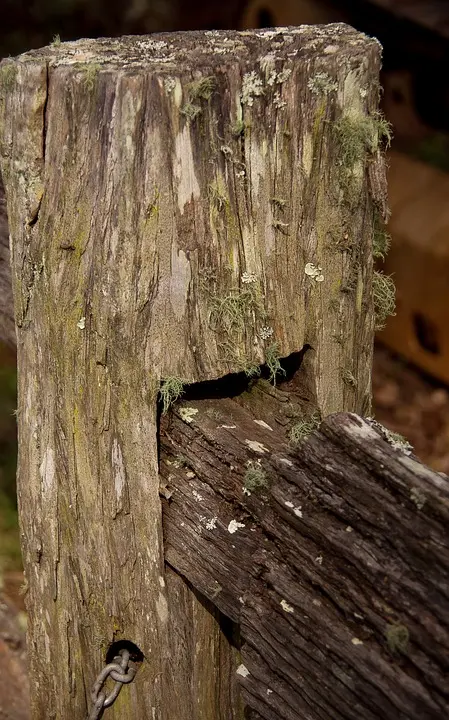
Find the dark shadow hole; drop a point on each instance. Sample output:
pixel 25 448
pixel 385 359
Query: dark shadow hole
pixel 234 384
pixel 426 333
pixel 265 18
pixel 135 654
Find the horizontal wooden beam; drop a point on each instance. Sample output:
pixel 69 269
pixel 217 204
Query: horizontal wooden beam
pixel 336 567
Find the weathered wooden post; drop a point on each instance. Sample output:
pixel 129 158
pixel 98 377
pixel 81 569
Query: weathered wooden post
pixel 181 207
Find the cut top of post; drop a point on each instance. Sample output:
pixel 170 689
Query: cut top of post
pixel 210 189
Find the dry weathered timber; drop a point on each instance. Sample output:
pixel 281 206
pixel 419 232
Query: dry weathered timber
pixel 7 329
pixel 179 206
pixel 337 569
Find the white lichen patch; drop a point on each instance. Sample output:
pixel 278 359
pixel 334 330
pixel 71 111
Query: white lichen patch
pixel 285 606
pixel 188 413
pixel 278 102
pixel 297 510
pixel 263 424
pixel 356 641
pixel 418 497
pixel 252 86
pixel 228 427
pixel 256 446
pixel 198 497
pixel 248 278
pixel 169 84
pixel 242 670
pixel 396 440
pixel 319 559
pixel 234 526
pixel 314 272
pixel 209 523
pixel 266 332
pixel 349 529
pixel 286 461
pixel 118 468
pixel 269 692
pixel 47 469
pixel 322 84
pixel 81 323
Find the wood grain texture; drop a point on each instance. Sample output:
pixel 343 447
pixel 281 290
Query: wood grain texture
pixel 7 328
pixel 166 195
pixel 338 572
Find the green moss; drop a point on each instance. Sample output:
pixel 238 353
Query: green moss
pixel 397 637
pixel 172 388
pixel 90 75
pixel 255 476
pixel 302 428
pixel 384 293
pixel 272 360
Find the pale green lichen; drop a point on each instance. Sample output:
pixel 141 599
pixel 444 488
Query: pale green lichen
pixel 303 428
pixel 56 41
pixel 202 89
pixel 172 388
pixel 252 86
pixel 418 497
pixel 190 111
pixel 321 84
pixel 381 241
pixel 384 297
pixel 90 75
pixel 255 476
pixel 357 136
pixel 397 637
pixel 198 90
pixel 348 378
pixel 272 360
pixel 188 413
pixel 229 314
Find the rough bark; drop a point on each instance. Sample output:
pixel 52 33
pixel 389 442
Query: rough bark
pixel 167 198
pixel 338 574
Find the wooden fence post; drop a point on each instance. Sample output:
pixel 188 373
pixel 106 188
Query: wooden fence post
pixel 181 207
